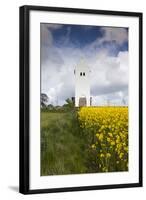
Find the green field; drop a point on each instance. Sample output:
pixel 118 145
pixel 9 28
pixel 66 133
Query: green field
pixel 62 144
pixel 85 140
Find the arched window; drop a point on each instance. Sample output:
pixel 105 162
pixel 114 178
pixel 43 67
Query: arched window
pixel 80 73
pixel 83 73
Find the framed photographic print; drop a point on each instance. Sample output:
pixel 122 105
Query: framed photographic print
pixel 80 99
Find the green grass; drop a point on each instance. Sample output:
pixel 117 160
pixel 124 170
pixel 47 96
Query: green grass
pixel 63 147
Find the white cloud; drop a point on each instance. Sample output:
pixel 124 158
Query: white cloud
pixel 118 35
pixel 109 74
pixel 115 34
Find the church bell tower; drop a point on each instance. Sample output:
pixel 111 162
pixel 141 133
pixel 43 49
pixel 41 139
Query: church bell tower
pixel 82 84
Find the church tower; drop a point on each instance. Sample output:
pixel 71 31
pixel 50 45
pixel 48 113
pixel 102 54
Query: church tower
pixel 82 84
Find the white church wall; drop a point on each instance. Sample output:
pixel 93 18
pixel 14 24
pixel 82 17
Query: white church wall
pixel 82 83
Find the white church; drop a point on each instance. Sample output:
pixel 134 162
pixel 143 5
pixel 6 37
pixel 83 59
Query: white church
pixel 82 84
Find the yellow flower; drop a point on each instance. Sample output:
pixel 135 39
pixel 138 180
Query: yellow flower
pixel 117 141
pixel 110 134
pixel 121 155
pixel 102 127
pixel 108 155
pixel 101 155
pixel 126 148
pixel 100 136
pixel 93 146
pixel 109 126
pixel 112 143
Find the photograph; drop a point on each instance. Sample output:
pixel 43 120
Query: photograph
pixel 80 99
pixel 84 99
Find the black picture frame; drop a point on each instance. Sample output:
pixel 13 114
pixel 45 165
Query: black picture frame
pixel 25 105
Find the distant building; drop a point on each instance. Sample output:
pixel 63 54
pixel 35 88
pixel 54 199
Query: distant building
pixel 82 84
pixel 73 100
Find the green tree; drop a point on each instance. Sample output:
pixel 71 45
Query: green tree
pixel 69 104
pixel 44 99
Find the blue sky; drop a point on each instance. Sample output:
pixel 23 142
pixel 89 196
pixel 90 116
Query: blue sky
pixel 104 48
pixel 80 36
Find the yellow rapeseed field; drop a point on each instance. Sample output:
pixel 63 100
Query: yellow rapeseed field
pixel 107 132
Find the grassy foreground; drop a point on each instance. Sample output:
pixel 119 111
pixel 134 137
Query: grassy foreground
pixel 62 145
